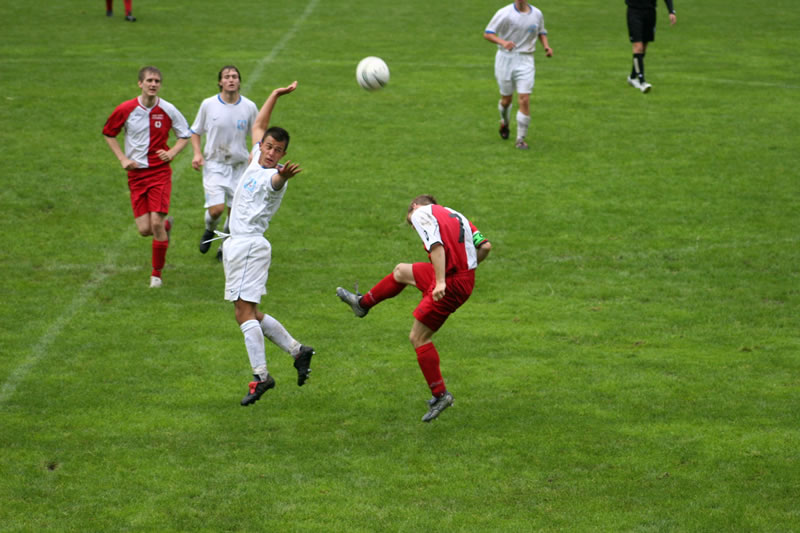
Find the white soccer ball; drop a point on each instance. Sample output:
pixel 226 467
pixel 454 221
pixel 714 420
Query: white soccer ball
pixel 372 73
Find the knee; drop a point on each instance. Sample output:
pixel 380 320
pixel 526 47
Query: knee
pixel 216 210
pixel 403 273
pixel 415 340
pixel 244 313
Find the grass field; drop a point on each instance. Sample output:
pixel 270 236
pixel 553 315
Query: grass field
pixel 628 361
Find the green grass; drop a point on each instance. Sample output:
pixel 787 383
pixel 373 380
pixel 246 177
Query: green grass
pixel 628 361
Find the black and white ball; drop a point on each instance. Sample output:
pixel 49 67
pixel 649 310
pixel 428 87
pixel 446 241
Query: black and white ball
pixel 372 73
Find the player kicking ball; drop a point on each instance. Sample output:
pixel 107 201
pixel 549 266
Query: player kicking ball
pixel 247 254
pixel 455 247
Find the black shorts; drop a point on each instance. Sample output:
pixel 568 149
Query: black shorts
pixel 641 25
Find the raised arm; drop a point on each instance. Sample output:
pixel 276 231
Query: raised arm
pixel 261 123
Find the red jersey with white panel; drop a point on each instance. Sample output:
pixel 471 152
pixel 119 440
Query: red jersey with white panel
pixel 451 229
pixel 146 129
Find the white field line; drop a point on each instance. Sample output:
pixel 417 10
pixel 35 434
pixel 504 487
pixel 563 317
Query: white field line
pixel 279 46
pixel 42 346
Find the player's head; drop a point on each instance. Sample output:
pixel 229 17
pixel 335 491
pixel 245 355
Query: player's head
pixel 422 199
pixel 229 78
pixel 273 146
pixel 149 81
pixel 149 71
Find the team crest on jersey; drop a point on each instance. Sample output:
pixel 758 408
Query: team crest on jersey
pixel 533 28
pixel 241 124
pixel 250 185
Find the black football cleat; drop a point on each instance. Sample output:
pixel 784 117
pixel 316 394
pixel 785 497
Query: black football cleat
pixel 257 389
pixel 302 364
pixel 504 130
pixel 205 241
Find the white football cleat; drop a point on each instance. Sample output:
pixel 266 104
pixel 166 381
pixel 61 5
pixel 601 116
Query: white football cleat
pixel 155 283
pixel 634 82
pixel 645 87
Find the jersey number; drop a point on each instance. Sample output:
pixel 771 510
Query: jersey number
pixel 460 226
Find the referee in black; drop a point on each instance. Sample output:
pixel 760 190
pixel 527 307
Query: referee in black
pixel 642 30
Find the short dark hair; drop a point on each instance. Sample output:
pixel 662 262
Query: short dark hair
pixel 144 70
pixel 422 199
pixel 223 69
pixel 279 134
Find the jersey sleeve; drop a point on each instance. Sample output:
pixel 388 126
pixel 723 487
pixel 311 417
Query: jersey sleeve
pixel 198 126
pixel 494 24
pixel 427 227
pixel 179 124
pixel 116 121
pixel 477 237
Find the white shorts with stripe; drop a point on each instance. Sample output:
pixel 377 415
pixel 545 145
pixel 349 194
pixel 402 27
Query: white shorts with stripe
pixel 246 262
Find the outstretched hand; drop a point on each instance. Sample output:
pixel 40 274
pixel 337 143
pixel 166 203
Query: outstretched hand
pixel 289 170
pixel 286 90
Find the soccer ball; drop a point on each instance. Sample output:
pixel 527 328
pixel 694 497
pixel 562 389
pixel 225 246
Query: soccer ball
pixel 372 73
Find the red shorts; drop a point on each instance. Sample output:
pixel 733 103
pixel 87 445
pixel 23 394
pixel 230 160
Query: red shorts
pixel 150 190
pixel 459 288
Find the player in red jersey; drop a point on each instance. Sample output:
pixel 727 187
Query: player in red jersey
pixel 455 247
pixel 147 120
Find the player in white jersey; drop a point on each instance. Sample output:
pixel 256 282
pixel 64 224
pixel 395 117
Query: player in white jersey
pixel 247 254
pixel 515 29
pixel 226 120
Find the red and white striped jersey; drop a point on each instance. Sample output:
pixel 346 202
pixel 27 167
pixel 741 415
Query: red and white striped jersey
pixel 451 229
pixel 146 130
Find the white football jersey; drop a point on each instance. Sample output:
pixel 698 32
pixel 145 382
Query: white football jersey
pixel 520 28
pixel 255 202
pixel 226 127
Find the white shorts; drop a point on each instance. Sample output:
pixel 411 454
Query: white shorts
pixel 514 72
pixel 246 262
pixel 219 182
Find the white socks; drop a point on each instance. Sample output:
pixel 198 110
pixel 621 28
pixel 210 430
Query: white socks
pixel 274 331
pixel 254 343
pixel 505 112
pixel 522 125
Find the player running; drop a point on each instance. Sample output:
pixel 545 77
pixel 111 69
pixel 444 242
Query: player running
pixel 147 120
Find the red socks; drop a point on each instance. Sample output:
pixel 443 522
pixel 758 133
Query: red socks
pixel 128 6
pixel 384 289
pixel 159 256
pixel 428 359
